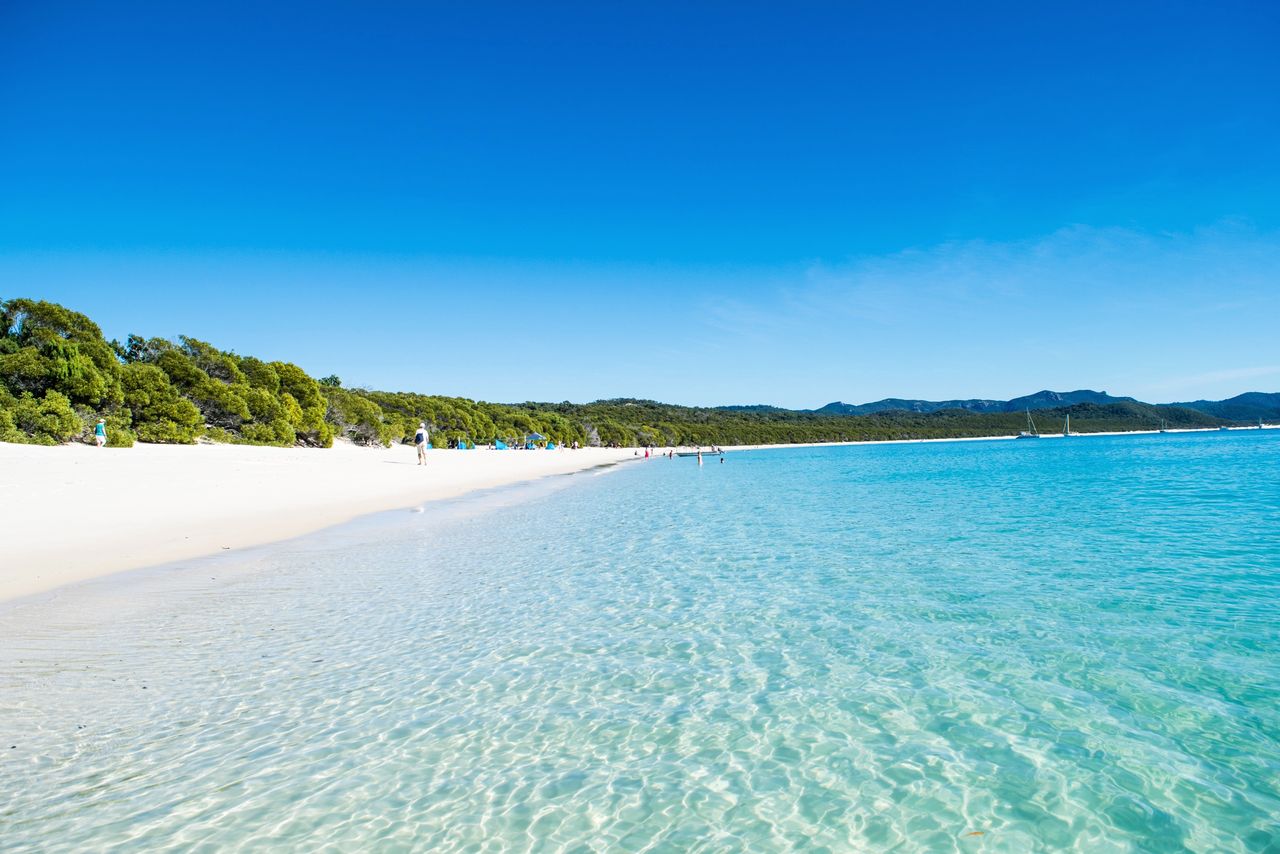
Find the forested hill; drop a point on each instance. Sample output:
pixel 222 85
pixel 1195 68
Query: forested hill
pixel 1040 400
pixel 648 421
pixel 58 375
pixel 1249 406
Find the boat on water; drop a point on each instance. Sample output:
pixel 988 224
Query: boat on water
pixel 704 453
pixel 1066 428
pixel 1164 428
pixel 1031 432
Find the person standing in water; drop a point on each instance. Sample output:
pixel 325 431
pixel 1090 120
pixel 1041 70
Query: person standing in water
pixel 420 439
pixel 100 433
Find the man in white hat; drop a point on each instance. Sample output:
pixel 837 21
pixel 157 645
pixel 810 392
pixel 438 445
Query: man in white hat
pixel 420 439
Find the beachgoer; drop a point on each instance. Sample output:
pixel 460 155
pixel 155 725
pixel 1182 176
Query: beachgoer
pixel 420 439
pixel 100 433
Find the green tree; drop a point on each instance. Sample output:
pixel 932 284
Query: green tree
pixel 159 413
pixel 50 348
pixel 304 392
pixel 359 419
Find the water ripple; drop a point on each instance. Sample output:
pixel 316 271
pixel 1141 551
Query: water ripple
pixel 1068 645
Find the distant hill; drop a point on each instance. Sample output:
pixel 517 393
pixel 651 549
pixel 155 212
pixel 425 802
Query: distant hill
pixel 897 404
pixel 1040 400
pixel 1249 406
pixel 753 407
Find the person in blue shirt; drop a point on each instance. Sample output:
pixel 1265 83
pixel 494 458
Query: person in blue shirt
pixel 100 433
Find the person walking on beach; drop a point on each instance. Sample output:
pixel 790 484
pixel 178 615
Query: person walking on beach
pixel 420 439
pixel 100 433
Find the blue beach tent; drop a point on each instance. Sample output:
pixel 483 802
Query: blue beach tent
pixel 500 445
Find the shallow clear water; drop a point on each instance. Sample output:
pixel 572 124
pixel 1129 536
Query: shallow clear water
pixel 1015 646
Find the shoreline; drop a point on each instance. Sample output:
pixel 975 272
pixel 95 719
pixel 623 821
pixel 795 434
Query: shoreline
pixel 74 513
pixel 1001 438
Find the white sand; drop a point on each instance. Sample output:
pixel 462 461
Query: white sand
pixel 75 512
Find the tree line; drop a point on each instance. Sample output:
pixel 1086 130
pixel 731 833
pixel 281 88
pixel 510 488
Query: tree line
pixel 59 374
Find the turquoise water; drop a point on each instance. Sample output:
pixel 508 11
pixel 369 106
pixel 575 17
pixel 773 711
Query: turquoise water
pixel 1014 646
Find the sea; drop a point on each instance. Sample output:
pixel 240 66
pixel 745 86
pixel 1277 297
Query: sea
pixel 1066 644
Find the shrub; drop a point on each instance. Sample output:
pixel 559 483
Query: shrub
pixel 120 437
pixel 217 434
pixel 49 420
pixel 8 430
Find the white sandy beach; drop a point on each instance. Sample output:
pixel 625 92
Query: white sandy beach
pixel 74 512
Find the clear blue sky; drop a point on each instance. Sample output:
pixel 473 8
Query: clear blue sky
pixel 699 203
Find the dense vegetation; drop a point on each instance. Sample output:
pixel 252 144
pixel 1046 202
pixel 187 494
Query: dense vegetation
pixel 628 422
pixel 58 375
pixel 1250 406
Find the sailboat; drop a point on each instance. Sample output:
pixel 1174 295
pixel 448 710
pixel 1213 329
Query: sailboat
pixel 1031 432
pixel 1066 428
pixel 1164 426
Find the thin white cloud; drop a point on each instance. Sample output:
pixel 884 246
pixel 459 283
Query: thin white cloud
pixel 1130 311
pixel 1113 267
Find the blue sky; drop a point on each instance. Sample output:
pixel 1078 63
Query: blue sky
pixel 698 203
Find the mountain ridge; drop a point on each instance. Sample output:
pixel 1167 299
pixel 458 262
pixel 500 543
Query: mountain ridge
pixel 1044 399
pixel 1248 406
pixel 1243 407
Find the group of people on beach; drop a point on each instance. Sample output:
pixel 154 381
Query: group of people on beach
pixel 422 440
pixel 650 450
